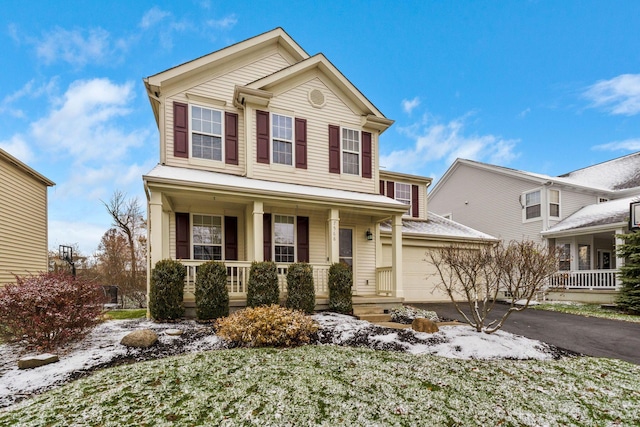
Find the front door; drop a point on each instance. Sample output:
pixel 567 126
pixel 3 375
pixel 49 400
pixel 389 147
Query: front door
pixel 346 246
pixel 604 260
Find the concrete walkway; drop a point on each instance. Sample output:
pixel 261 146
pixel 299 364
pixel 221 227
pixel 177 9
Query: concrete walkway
pixel 591 336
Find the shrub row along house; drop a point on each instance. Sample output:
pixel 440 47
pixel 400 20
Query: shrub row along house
pixel 23 219
pixel 581 212
pixel 268 153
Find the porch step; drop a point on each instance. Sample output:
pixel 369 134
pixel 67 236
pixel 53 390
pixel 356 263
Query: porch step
pixel 375 318
pixel 367 309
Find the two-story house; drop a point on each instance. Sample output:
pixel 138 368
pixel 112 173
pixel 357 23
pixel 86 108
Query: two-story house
pixel 268 153
pixel 23 219
pixel 580 212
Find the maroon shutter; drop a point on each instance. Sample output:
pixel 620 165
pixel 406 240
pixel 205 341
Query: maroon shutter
pixel 303 238
pixel 382 187
pixel 262 132
pixel 231 138
pixel 230 238
pixel 180 130
pixel 366 155
pixel 334 149
pixel 391 187
pixel 415 206
pixel 266 229
pixel 301 143
pixel 182 236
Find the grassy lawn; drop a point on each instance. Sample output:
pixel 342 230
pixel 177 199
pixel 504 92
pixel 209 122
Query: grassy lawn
pixel 126 314
pixel 589 310
pixel 326 385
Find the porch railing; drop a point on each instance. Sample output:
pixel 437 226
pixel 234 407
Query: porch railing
pixel 584 279
pixel 238 278
pixel 384 281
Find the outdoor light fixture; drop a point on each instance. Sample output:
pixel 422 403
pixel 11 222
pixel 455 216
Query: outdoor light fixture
pixel 368 234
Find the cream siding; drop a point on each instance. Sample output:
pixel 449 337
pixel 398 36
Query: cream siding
pixel 23 224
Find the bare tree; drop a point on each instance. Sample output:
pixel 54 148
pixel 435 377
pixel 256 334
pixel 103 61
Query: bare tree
pixel 128 219
pixel 474 276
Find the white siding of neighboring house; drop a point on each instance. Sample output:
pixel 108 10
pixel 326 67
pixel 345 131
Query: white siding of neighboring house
pixel 488 202
pixel 23 224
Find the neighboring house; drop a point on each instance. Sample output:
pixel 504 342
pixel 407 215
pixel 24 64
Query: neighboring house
pixel 267 153
pixel 581 212
pixel 23 219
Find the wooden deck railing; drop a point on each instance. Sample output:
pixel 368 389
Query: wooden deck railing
pixel 585 279
pixel 384 281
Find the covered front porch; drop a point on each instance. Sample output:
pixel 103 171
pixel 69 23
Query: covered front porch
pixel 237 220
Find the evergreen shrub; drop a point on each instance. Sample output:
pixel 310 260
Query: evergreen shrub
pixel 166 296
pixel 628 298
pixel 267 326
pixel 263 286
pixel 340 284
pixel 212 295
pixel 301 294
pixel 49 309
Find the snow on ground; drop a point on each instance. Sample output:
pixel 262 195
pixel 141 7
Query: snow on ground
pixel 102 348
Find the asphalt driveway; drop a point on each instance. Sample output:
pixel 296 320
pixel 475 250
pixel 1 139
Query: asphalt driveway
pixel 587 335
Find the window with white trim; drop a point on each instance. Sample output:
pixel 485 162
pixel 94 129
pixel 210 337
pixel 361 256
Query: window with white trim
pixel 532 204
pixel 284 238
pixel 350 151
pixel 206 133
pixel 403 194
pixel 282 139
pixel 554 203
pixel 207 237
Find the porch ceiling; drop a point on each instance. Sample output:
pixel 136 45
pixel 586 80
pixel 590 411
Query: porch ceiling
pixel 205 185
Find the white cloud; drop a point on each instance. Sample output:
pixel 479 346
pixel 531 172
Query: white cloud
pixel 85 234
pixel 619 95
pixel 438 142
pixel 84 121
pixel 76 47
pixel 18 148
pixel 524 113
pixel 409 105
pixel 225 23
pixel 627 144
pixel 152 17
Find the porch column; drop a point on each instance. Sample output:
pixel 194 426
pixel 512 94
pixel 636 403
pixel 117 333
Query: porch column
pixel 619 260
pixel 396 255
pixel 258 231
pixel 334 236
pixel 378 246
pixel 156 230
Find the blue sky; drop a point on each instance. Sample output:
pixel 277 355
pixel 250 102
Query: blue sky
pixel 543 86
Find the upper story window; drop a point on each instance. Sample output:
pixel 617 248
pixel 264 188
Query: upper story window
pixel 350 151
pixel 207 237
pixel 282 139
pixel 532 204
pixel 206 133
pixel 554 203
pixel 284 238
pixel 403 194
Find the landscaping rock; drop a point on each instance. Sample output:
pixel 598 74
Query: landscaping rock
pixel 143 338
pixel 173 332
pixel 31 362
pixel 424 325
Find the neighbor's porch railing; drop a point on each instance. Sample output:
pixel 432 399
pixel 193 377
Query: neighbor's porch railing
pixel 238 278
pixel 584 279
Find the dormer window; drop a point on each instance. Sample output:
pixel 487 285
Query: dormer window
pixel 206 133
pixel 403 194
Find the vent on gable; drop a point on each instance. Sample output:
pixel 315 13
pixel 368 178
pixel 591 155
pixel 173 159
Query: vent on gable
pixel 316 98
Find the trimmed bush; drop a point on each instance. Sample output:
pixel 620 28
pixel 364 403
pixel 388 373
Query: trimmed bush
pixel 301 294
pixel 212 295
pixel 267 326
pixel 49 309
pixel 263 284
pixel 167 290
pixel 340 284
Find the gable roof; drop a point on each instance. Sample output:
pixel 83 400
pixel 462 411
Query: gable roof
pixel 26 169
pixel 438 227
pixel 617 174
